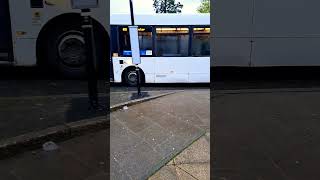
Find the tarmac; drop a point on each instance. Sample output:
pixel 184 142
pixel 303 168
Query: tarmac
pixel 266 134
pixel 81 158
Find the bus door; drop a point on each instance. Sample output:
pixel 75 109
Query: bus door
pixel 5 31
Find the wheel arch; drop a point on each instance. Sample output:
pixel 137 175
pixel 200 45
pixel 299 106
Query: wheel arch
pixel 143 79
pixel 61 19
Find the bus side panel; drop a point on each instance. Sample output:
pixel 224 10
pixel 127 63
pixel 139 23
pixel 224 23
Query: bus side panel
pixel 117 69
pixel 24 52
pixel 172 70
pixel 231 52
pixel 199 69
pixel 232 32
pixel 5 30
pixel 286 33
pixel 286 52
pixel 286 18
pixel 232 18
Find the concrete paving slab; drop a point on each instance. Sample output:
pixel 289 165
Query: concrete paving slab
pixel 155 135
pixel 198 152
pixel 170 162
pixel 184 175
pixel 165 173
pixel 134 121
pixel 194 160
pixel 136 168
pixel 116 172
pixel 154 132
pixel 171 145
pixel 121 140
pixel 200 171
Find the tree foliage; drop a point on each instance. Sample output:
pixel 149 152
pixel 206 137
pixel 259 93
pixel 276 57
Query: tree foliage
pixel 167 6
pixel 204 7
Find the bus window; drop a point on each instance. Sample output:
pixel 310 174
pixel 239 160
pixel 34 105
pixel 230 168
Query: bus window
pixel 201 42
pixel 172 41
pixel 145 41
pixel 124 41
pixel 114 40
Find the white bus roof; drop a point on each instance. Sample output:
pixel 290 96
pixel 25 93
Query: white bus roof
pixel 161 19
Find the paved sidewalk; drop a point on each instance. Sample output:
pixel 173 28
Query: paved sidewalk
pixel 191 164
pixel 148 135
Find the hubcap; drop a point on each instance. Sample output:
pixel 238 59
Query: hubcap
pixel 71 50
pixel 132 77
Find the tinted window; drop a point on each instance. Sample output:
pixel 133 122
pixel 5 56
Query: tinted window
pixel 201 42
pixel 145 41
pixel 172 41
pixel 124 41
pixel 114 40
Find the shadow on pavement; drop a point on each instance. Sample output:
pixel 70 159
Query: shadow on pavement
pixel 32 100
pixel 24 115
pixel 80 110
pixel 139 96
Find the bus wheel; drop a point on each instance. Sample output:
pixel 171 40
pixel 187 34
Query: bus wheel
pixel 130 77
pixel 65 49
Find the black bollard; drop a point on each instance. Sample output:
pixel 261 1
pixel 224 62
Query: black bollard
pixel 138 80
pixel 92 78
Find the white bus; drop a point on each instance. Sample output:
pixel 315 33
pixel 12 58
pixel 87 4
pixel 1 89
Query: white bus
pixel 174 48
pixel 268 33
pixel 48 33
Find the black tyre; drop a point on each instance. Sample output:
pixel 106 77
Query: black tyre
pixel 65 50
pixel 130 77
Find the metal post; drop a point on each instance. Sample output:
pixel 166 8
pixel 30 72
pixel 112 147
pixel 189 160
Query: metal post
pixel 90 59
pixel 131 12
pixel 165 6
pixel 137 67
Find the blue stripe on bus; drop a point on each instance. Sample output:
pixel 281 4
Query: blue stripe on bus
pixel 129 53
